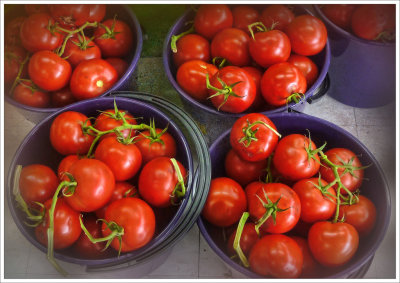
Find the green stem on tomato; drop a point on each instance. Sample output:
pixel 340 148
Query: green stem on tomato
pixel 175 38
pixel 18 78
pixel 180 189
pixel 236 241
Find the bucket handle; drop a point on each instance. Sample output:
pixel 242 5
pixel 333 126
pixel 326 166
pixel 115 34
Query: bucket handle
pixel 321 90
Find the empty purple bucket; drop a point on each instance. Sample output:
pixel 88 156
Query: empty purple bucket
pixel 362 72
pixel 374 187
pixel 35 114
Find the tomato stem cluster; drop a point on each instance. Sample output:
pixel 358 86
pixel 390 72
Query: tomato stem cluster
pixel 250 134
pixel 226 91
pixel 175 38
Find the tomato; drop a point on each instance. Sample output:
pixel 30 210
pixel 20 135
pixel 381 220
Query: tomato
pixel 79 49
pixel 67 228
pixel 94 185
pixel 114 37
pixel 191 77
pixel 269 47
pixel 119 65
pixel 226 202
pixel 243 171
pixel 64 166
pixel 37 183
pixel 278 16
pixel 307 34
pixel 237 94
pixel 374 22
pixel 49 71
pixel 157 181
pixel 247 240
pixel 27 94
pixel 308 68
pixel 362 215
pixel 13 58
pixel 12 31
pixel 124 159
pixel 92 78
pixel 339 14
pixel 282 205
pixel 67 136
pixel 137 219
pixel 37 33
pixel 253 137
pixel 35 8
pixel 108 120
pixel 151 145
pixel 212 18
pixel 97 12
pixel 311 267
pixel 121 190
pixel 317 204
pixel 277 256
pixel 243 16
pixel 62 97
pixel 333 244
pixel 350 178
pixel 293 157
pixel 282 81
pixel 70 15
pixel 231 44
pixel 256 74
pixel 191 47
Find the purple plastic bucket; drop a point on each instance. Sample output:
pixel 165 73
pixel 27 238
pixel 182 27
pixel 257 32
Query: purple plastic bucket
pixel 321 131
pixel 35 114
pixel 36 148
pixel 362 72
pixel 322 60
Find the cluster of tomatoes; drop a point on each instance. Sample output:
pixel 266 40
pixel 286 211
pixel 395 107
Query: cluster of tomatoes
pixel 115 183
pixel 61 53
pixel 242 59
pixel 306 215
pixel 368 21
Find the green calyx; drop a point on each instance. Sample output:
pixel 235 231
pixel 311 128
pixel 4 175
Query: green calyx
pixel 250 134
pixel 110 31
pixel 154 136
pixel 226 91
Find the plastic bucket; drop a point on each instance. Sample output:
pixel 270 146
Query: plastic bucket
pixel 374 187
pixel 35 114
pixel 193 153
pixel 362 72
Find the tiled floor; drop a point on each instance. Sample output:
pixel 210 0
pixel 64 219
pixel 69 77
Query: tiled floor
pixel 191 257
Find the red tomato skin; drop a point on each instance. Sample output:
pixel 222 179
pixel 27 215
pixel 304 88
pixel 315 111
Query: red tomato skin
pixel 308 68
pixel 62 97
pixel 281 80
pixel 278 256
pixel 13 58
pixel 191 77
pixel 256 74
pixel 136 217
pixel 291 160
pixel 339 14
pixel 278 14
pixel 35 8
pixel 362 215
pixel 243 16
pixel 310 265
pixel 66 135
pixel 97 12
pixel 119 65
pixel 67 228
pixel 24 95
pixel 64 166
pixel 314 205
pixel 247 240
pixel 333 244
pixel 75 54
pixel 211 18
pixel 12 32
pixel 70 15
pixel 191 47
pixel 233 45
pixel 104 122
pixel 225 203
pixel 37 183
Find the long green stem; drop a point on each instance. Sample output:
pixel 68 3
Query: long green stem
pixel 179 193
pixel 175 38
pixel 236 241
pixel 18 78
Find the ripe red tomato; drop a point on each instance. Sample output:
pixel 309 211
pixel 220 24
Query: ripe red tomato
pixel 278 16
pixel 277 256
pixel 259 102
pixel 157 181
pixel 62 97
pixel 315 205
pixel 237 94
pixel 119 65
pixel 231 44
pixel 13 57
pixel 307 34
pixel 362 215
pixel 243 16
pixel 66 225
pixel 64 166
pixel 332 244
pixel 92 78
pixel 351 179
pixel 66 135
pixel 70 15
pixel 311 268
pixel 79 49
pixel 124 159
pixel 114 37
pixel 191 47
pixel 30 95
pixel 49 71
pixel 95 185
pixel 12 31
pixel 191 77
pixel 35 8
pixel 282 205
pixel 247 240
pixel 211 18
pixel 252 138
pixel 226 202
pixel 35 34
pixel 97 12
pixel 108 120
pixel 339 14
pixel 137 219
pixel 37 183
pixel 308 68
pixel 292 160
